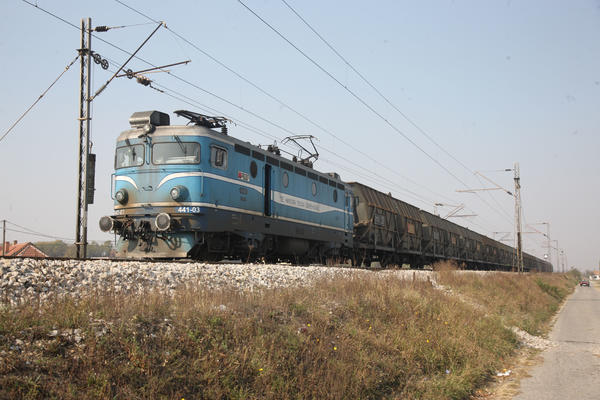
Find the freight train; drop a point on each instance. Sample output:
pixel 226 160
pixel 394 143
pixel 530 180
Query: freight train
pixel 195 191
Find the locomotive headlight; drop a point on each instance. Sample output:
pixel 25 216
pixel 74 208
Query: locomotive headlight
pixel 178 193
pixel 162 221
pixel 106 224
pixel 121 196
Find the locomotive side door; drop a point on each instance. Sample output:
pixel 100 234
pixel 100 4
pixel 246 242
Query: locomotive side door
pixel 347 211
pixel 267 190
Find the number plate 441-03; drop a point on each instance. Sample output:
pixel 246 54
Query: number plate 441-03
pixel 189 210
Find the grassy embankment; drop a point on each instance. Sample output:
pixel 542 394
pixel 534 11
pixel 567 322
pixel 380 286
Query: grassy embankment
pixel 372 338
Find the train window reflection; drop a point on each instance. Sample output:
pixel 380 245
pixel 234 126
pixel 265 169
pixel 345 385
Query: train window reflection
pixel 176 153
pixel 129 156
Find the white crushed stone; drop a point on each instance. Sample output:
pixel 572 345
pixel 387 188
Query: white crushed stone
pixel 535 342
pixel 40 279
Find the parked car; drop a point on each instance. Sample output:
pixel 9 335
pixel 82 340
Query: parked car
pixel 584 283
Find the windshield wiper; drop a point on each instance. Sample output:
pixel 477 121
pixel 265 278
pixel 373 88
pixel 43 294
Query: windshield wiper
pixel 181 145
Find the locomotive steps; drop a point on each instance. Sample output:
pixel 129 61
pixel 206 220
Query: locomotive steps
pixel 72 329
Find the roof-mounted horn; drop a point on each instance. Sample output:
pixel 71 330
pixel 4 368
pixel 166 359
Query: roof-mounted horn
pixel 142 118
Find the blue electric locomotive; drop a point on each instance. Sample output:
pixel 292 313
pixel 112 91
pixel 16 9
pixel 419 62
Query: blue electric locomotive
pixel 193 191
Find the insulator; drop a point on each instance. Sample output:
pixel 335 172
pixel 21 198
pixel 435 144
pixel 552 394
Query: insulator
pixel 143 80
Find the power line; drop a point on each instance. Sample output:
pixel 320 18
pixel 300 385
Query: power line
pixel 386 99
pixel 220 97
pixel 33 232
pixel 39 98
pixel 194 103
pixel 39 234
pixel 357 97
pixel 364 102
pixel 502 212
pixel 240 107
pixel 278 100
pixel 27 229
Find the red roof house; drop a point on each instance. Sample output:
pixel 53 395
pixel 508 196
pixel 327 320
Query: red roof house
pixel 21 250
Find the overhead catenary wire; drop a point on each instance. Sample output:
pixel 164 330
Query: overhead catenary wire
pixel 39 98
pixel 502 210
pixel 353 94
pixel 280 101
pixel 188 82
pixel 186 99
pixel 184 80
pixel 385 98
pixel 193 85
pixel 345 87
pixel 261 132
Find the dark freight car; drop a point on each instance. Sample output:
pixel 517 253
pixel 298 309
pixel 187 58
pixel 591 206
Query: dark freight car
pixel 385 229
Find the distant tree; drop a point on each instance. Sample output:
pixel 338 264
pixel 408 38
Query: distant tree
pixel 57 248
pixel 100 250
pixel 71 251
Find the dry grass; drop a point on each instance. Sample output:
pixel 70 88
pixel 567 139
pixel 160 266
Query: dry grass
pixel 527 301
pixel 371 338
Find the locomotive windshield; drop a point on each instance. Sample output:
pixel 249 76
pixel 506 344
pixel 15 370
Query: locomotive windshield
pixel 129 156
pixel 176 153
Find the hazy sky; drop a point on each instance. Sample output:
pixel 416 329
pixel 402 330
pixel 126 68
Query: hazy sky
pixel 491 83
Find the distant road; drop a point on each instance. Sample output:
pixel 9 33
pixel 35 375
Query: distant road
pixel 571 370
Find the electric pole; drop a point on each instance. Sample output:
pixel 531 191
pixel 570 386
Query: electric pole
pixel 87 161
pixel 518 231
pixel 548 237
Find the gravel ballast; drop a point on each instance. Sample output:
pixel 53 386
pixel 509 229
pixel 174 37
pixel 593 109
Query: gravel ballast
pixel 29 278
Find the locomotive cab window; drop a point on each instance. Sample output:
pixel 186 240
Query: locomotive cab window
pixel 176 153
pixel 129 156
pixel 218 157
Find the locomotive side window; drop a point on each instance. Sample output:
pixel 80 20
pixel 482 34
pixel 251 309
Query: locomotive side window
pixel 335 196
pixel 176 153
pixel 129 156
pixel 253 169
pixel 314 189
pixel 218 157
pixel 285 179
